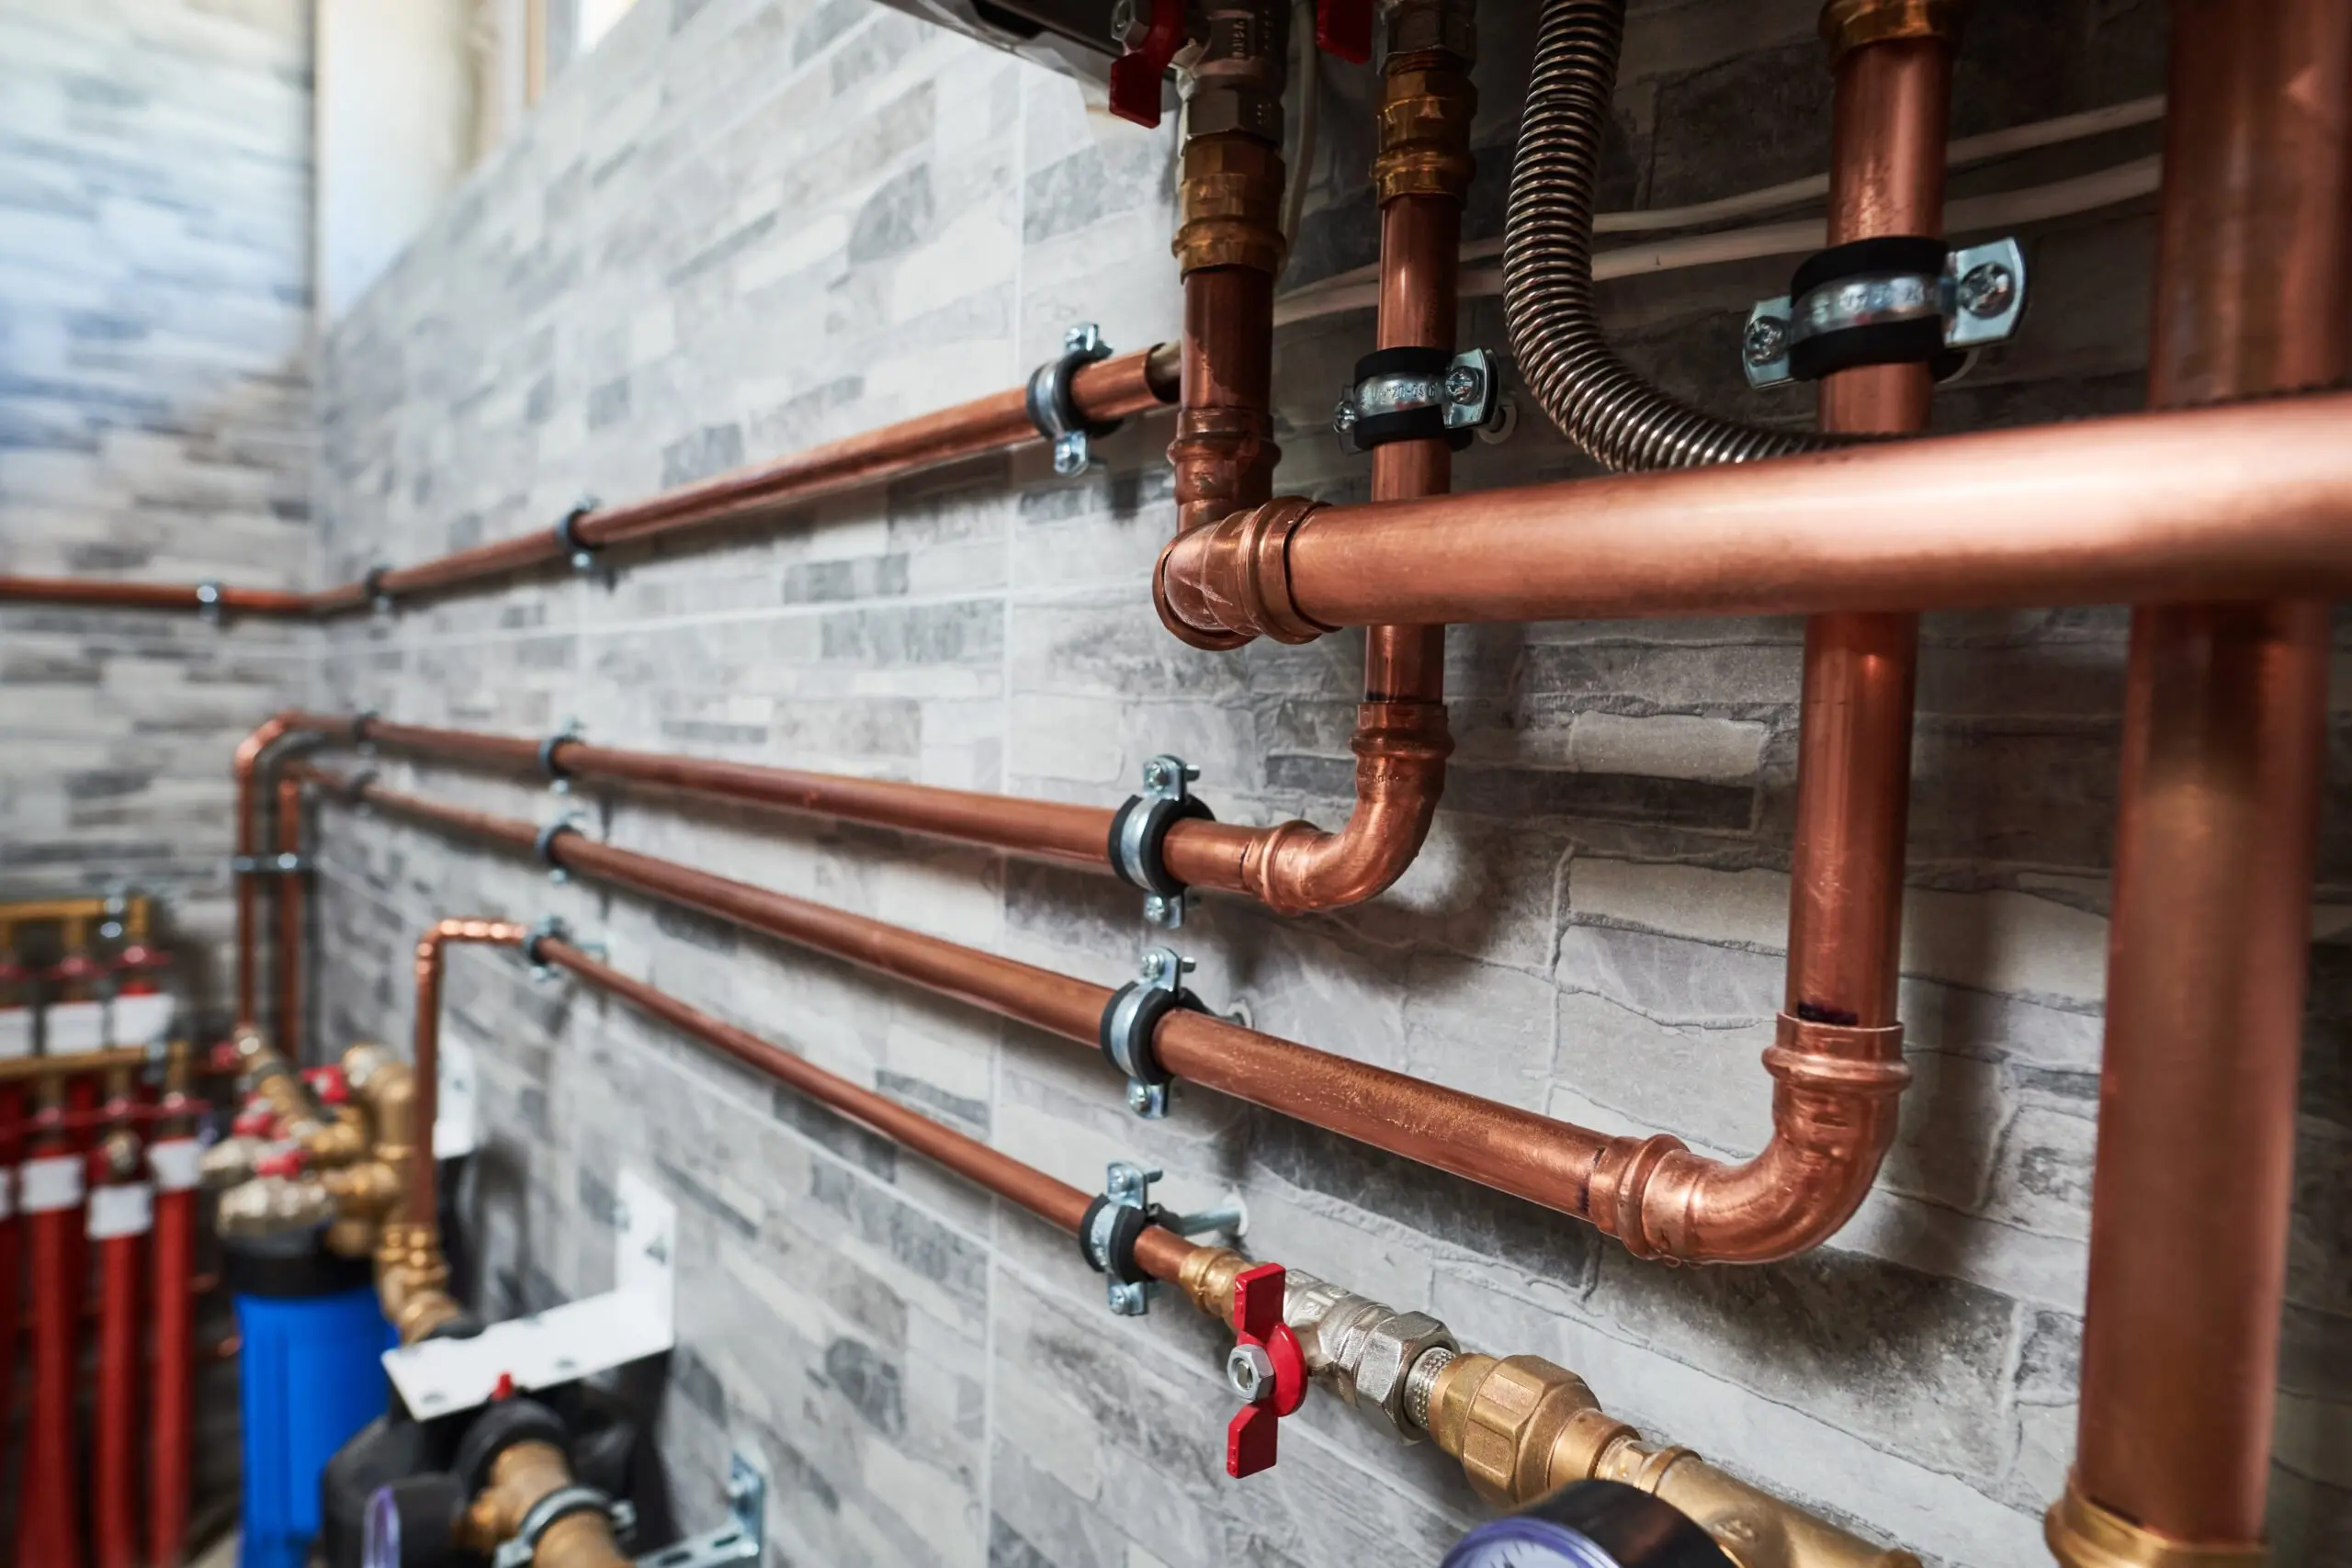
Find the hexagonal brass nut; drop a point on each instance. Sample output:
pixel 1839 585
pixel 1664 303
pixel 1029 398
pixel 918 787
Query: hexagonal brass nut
pixel 1389 1349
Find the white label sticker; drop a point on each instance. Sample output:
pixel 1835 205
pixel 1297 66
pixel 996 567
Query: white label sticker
pixel 125 1208
pixel 74 1029
pixel 7 1192
pixel 139 1020
pixel 453 1133
pixel 172 1163
pixel 15 1032
pixel 50 1183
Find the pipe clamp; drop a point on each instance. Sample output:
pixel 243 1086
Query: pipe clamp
pixel 544 845
pixel 1131 1017
pixel 517 1550
pixel 559 780
pixel 582 553
pixel 1896 299
pixel 1053 400
pixel 1418 394
pixel 283 863
pixel 1139 829
pixel 372 588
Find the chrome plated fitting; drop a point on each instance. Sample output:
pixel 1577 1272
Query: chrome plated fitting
pixel 1365 1351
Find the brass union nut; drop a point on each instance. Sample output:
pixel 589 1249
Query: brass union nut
pixel 1229 204
pixel 1425 114
pixel 1850 24
pixel 1504 1419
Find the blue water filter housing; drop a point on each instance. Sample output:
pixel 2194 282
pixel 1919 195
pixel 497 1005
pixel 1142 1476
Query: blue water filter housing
pixel 311 1377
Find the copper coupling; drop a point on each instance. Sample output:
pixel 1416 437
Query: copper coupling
pixel 2081 1534
pixel 1229 199
pixel 1224 583
pixel 1847 25
pixel 1426 107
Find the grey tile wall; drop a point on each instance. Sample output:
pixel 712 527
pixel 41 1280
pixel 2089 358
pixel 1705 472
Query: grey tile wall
pixel 156 421
pixel 740 228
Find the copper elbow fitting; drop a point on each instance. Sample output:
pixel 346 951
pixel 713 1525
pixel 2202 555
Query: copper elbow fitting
pixel 1401 749
pixel 1834 1108
pixel 1229 198
pixel 1850 24
pixel 2082 1534
pixel 1232 578
pixel 1426 107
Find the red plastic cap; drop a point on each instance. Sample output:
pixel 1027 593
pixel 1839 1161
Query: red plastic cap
pixel 328 1084
pixel 1343 27
pixel 287 1161
pixel 504 1388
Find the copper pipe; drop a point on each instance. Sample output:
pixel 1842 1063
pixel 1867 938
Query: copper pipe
pixel 1112 389
pixel 1831 1104
pixel 2223 746
pixel 289 923
pixel 1224 452
pixel 1892 103
pixel 96 594
pixel 245 767
pixel 2234 503
pixel 423 1200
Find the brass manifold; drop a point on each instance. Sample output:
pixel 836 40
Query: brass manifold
pixel 1229 198
pixel 1520 1425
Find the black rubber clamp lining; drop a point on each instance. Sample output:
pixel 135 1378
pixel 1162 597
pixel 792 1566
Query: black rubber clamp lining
pixel 1107 1237
pixel 1917 342
pixel 1424 424
pixel 1139 1061
pixel 544 845
pixel 359 723
pixel 548 764
pixel 567 530
pixel 372 585
pixel 1162 813
pixel 1052 396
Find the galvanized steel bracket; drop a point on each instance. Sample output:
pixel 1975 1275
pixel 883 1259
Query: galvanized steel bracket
pixel 1053 403
pixel 1139 828
pixel 1415 394
pixel 743 1538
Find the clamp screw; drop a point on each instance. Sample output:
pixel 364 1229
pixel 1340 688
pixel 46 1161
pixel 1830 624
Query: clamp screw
pixel 1988 289
pixel 1140 1098
pixel 1464 385
pixel 1343 418
pixel 1767 340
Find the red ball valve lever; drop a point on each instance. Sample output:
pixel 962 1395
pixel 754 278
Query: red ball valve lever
pixel 1266 1367
pixel 1344 28
pixel 1151 31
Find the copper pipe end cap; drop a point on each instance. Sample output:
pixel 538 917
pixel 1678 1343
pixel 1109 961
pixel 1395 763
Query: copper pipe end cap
pixel 1850 24
pixel 2082 1534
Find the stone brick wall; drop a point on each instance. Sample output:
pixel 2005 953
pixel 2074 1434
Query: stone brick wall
pixel 742 226
pixel 155 423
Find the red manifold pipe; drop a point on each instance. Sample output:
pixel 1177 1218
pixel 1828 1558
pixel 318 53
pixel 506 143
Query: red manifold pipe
pixel 12 1243
pixel 122 1212
pixel 49 1495
pixel 171 1165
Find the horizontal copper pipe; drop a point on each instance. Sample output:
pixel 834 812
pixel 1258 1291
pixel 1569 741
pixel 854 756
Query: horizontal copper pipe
pixel 1832 1106
pixel 1114 388
pixel 2243 502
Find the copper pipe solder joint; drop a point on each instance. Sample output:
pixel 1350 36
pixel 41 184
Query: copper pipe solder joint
pixel 1231 580
pixel 1229 201
pixel 1426 107
pixel 1223 454
pixel 2082 1534
pixel 1848 25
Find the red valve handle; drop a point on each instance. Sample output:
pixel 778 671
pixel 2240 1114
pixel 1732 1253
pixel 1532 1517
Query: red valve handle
pixel 1258 1321
pixel 287 1162
pixel 1136 75
pixel 1344 28
pixel 328 1084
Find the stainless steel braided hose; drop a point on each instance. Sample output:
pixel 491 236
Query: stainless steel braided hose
pixel 1595 398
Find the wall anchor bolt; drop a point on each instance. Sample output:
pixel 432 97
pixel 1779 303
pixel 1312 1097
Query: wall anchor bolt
pixel 1139 829
pixel 1053 400
pixel 1884 302
pixel 1107 1235
pixel 1418 394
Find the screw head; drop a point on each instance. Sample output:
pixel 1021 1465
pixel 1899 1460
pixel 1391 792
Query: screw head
pixel 1155 774
pixel 1767 340
pixel 1988 289
pixel 1154 965
pixel 1464 385
pixel 1251 1371
pixel 1343 418
pixel 1138 1097
pixel 1070 455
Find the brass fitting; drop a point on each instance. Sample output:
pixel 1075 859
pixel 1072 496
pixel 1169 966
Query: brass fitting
pixel 339 1139
pixel 1850 24
pixel 520 1476
pixel 363 1194
pixel 2084 1534
pixel 1236 79
pixel 413 1281
pixel 1426 107
pixel 1229 200
pixel 268 1206
pixel 1208 1278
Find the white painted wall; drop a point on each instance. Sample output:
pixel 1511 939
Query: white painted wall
pixel 396 132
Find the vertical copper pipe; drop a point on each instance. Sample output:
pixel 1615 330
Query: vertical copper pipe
pixel 246 768
pixel 289 886
pixel 1224 451
pixel 424 1197
pixel 1420 240
pixel 1854 753
pixel 2223 741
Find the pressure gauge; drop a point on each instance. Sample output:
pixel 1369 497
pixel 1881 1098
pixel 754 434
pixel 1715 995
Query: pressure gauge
pixel 1590 1524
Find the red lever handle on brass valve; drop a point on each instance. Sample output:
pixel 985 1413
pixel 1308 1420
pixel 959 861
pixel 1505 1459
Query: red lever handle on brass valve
pixel 1152 31
pixel 1266 1367
pixel 1344 28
